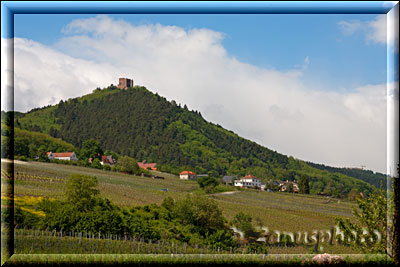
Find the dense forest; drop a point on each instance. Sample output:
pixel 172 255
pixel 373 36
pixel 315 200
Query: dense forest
pixel 145 126
pixel 377 179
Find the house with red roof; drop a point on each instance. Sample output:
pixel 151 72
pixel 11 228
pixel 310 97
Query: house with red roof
pixel 62 156
pixel 147 166
pixel 187 175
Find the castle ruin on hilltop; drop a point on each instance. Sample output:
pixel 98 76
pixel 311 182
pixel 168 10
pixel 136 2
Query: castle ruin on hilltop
pixel 125 83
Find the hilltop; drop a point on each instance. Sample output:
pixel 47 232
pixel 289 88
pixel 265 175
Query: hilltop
pixel 145 126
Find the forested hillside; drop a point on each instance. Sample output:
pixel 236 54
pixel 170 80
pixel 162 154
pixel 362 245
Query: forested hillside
pixel 32 144
pixel 377 179
pixel 145 126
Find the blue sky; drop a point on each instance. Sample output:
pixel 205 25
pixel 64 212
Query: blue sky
pixel 274 41
pixel 308 86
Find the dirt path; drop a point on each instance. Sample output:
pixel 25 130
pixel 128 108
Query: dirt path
pixel 224 193
pixel 15 161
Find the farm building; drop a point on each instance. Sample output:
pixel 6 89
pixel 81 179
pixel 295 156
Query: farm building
pixel 228 179
pixel 107 160
pixel 187 175
pixel 147 166
pixel 62 155
pixel 248 181
pixel 283 186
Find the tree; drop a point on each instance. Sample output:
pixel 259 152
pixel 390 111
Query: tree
pixel 289 187
pixel 370 231
pixel 353 194
pixel 80 191
pixel 127 164
pixel 201 212
pixel 207 184
pixel 91 149
pixel 96 164
pixel 304 186
pixel 243 222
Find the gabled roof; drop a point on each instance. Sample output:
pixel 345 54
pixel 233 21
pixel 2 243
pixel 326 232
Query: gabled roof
pixel 61 155
pixel 144 165
pixel 187 172
pixel 228 178
pixel 250 177
pixel 107 159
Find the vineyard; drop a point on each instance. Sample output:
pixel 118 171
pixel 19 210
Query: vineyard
pixel 278 211
pixel 31 241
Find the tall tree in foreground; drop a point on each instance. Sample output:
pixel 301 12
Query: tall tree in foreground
pixel 369 233
pixel 80 190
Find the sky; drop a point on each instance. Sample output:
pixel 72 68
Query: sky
pixel 309 86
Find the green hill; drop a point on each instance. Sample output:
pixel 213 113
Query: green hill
pixel 31 144
pixel 144 125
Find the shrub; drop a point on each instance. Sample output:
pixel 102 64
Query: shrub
pixel 106 167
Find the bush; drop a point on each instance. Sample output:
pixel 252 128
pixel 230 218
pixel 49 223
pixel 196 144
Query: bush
pixel 96 164
pixel 106 167
pixel 23 158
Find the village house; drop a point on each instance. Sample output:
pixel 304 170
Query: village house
pixel 107 160
pixel 62 156
pixel 147 166
pixel 248 181
pixel 187 175
pixel 283 186
pixel 229 179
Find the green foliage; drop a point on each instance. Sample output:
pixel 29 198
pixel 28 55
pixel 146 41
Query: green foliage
pixel 24 218
pixel 221 238
pixel 128 165
pixel 365 175
pixel 208 184
pixel 91 149
pixel 369 233
pixel 304 186
pixel 289 187
pixel 243 222
pixel 32 144
pixel 353 194
pixel 200 212
pixel 81 192
pixel 96 164
pixel 106 167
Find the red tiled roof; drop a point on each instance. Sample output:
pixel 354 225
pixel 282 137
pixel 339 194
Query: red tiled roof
pixel 63 154
pixel 187 172
pixel 250 176
pixel 147 165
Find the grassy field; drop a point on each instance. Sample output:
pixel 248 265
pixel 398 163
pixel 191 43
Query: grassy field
pixel 275 210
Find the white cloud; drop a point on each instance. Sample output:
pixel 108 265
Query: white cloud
pixel 350 27
pixel 375 30
pixel 192 67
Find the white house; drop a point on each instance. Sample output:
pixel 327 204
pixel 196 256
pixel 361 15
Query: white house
pixel 187 175
pixel 62 156
pixel 248 181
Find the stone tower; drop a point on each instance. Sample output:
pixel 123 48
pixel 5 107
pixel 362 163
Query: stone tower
pixel 125 83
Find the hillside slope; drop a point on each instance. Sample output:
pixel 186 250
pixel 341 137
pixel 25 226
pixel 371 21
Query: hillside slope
pixel 144 125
